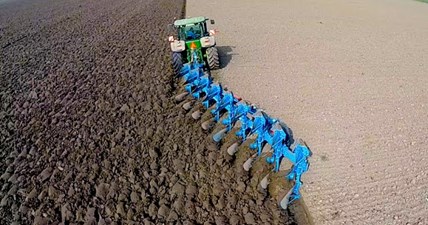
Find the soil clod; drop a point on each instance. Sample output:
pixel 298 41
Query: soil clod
pixel 91 132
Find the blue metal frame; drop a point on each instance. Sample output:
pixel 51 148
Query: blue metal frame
pixel 253 122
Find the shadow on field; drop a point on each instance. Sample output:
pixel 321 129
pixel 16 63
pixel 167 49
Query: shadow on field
pixel 225 54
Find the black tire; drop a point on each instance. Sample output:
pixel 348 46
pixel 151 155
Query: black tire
pixel 212 58
pixel 177 62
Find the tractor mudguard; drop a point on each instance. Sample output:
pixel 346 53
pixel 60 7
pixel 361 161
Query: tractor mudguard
pixel 207 41
pixel 178 46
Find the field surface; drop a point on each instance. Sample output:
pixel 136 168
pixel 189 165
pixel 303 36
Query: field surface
pixel 350 77
pixel 89 133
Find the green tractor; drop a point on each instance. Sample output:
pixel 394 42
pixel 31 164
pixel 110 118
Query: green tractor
pixel 193 37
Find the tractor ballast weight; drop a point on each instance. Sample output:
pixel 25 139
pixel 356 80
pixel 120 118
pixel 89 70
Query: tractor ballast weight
pixel 192 39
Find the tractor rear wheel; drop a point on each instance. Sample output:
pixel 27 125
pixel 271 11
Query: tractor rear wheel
pixel 177 62
pixel 212 58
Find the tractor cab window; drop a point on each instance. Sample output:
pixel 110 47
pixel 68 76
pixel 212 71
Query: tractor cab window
pixel 190 32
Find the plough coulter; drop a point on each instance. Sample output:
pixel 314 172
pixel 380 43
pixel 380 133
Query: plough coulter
pixel 243 129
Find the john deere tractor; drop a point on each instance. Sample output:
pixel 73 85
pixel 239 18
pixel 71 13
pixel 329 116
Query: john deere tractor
pixel 193 37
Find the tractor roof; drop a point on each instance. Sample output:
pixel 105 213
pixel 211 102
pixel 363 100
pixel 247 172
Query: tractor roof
pixel 192 20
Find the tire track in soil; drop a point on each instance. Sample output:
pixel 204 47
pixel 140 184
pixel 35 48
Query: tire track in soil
pixel 89 133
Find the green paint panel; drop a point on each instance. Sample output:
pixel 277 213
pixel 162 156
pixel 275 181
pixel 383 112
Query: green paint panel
pixel 197 43
pixel 198 50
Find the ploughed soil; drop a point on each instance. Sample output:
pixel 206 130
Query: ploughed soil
pixel 89 131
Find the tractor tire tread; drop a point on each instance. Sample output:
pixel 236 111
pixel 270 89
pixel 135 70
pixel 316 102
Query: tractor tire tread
pixel 212 58
pixel 177 62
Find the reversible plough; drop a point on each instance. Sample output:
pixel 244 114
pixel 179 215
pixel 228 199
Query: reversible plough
pixel 245 130
pixel 247 123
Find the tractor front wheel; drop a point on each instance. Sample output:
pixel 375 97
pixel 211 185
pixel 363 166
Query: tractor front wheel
pixel 177 62
pixel 212 58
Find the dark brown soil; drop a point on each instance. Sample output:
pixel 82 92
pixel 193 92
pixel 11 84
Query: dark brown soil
pixel 89 131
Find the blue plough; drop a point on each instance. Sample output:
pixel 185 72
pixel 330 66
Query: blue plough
pixel 253 121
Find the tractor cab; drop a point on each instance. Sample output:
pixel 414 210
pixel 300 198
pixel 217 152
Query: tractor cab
pixel 193 42
pixel 192 28
pixel 191 32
